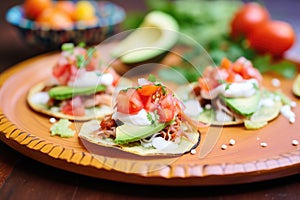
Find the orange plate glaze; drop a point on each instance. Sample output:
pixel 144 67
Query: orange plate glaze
pixel 246 161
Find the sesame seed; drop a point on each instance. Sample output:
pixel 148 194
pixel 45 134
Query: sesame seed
pixel 193 151
pixel 257 138
pixel 232 142
pixel 52 120
pixel 263 144
pixel 275 82
pixel 224 146
pixel 295 142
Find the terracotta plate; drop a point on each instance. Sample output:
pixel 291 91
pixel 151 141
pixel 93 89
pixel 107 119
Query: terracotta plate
pixel 246 161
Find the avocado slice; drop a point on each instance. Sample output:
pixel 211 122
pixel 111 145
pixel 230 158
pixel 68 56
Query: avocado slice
pixel 245 106
pixel 157 34
pixel 65 92
pixel 129 133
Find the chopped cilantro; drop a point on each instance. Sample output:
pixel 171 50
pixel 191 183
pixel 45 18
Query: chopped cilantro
pixel 152 78
pixel 80 61
pixel 227 86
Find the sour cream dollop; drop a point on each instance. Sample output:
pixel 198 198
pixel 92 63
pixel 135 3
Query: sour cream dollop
pixel 91 78
pixel 246 88
pixel 139 119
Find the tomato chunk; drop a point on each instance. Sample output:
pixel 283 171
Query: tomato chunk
pixel 129 102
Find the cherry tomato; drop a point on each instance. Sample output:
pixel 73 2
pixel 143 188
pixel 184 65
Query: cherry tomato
pixel 33 8
pixel 129 102
pixel 248 18
pixel 274 37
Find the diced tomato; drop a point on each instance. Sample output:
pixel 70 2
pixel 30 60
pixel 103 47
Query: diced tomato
pixel 234 77
pixel 148 90
pixel 91 66
pixel 219 75
pixel 166 110
pixel 167 101
pixel 58 70
pixel 74 107
pixel 62 73
pixel 203 84
pixel 129 102
pixel 251 72
pixel 149 103
pixel 225 63
pixel 165 115
pixel 237 67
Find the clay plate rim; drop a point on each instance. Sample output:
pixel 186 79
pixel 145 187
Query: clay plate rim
pixel 71 155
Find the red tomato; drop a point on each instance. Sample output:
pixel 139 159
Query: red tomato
pixel 248 18
pixel 251 72
pixel 62 73
pixel 166 110
pixel 203 84
pixel 234 77
pixel 33 8
pixel 74 107
pixel 274 37
pixel 129 102
pixel 165 114
pixel 148 90
pixel 225 63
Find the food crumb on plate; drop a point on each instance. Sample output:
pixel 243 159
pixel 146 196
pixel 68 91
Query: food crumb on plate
pixel 295 142
pixel 232 142
pixel 193 151
pixel 263 144
pixel 52 120
pixel 275 82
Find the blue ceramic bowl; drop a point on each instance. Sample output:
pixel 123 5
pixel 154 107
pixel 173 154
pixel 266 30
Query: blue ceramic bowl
pixel 109 17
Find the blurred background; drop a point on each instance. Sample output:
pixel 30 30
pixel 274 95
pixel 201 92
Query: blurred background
pixel 13 49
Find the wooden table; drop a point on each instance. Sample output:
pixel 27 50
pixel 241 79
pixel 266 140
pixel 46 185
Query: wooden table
pixel 24 178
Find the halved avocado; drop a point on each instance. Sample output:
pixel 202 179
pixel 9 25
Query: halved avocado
pixel 245 106
pixel 66 92
pixel 157 34
pixel 189 141
pixel 130 133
